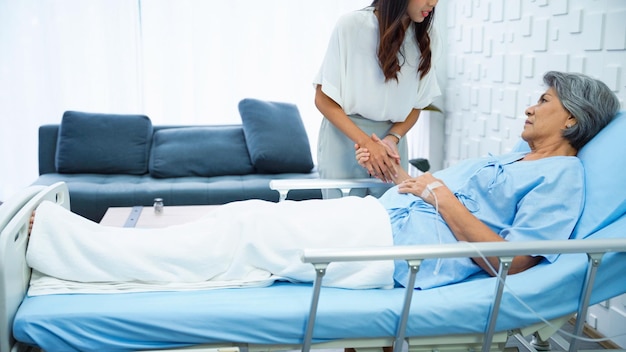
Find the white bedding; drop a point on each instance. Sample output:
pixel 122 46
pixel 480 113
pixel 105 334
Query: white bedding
pixel 248 243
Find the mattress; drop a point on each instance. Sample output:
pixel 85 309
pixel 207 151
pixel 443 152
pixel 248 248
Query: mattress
pixel 277 314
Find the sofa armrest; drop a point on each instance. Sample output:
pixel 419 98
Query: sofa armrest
pixel 48 135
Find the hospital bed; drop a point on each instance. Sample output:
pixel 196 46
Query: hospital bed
pixel 480 313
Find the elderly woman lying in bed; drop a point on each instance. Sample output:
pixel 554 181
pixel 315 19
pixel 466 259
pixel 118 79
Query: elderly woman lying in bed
pixel 514 197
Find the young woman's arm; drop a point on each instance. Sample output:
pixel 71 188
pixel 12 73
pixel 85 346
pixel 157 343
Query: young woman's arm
pixel 400 129
pixel 380 163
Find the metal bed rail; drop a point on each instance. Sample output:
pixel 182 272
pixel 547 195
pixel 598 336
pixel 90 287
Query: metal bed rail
pixel 345 186
pixel 505 251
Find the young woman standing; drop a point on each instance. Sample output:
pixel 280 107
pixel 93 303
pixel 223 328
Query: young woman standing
pixel 375 78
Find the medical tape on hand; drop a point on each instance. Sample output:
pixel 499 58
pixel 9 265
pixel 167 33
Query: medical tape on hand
pixel 429 189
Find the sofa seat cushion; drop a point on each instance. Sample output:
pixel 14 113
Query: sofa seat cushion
pixel 92 194
pixel 103 143
pixel 276 138
pixel 199 151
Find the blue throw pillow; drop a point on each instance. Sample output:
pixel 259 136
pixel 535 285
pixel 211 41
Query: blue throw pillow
pixel 605 167
pixel 103 143
pixel 276 138
pixel 199 151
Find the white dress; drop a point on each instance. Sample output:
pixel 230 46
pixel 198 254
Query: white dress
pixel 350 74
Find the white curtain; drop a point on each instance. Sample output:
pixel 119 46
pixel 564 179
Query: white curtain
pixel 59 55
pixel 201 57
pixel 177 61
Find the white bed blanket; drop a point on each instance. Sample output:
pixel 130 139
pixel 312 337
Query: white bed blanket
pixel 247 243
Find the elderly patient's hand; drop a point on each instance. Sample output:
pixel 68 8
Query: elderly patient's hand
pixel 362 156
pixel 423 186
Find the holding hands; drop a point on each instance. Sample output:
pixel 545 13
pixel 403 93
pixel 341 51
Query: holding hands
pixel 380 157
pixel 422 186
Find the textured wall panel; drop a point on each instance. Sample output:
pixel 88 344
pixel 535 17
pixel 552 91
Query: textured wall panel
pixel 526 26
pixel 497 10
pixel 467 39
pixel 528 66
pixel 494 124
pixel 592 31
pixel 478 34
pixel 576 21
pixel 513 10
pixel 485 99
pixel 496 69
pixel 559 7
pixel 513 68
pixel 466 95
pixel 577 63
pixel 509 103
pixel 611 76
pixel 539 35
pixel 616 30
pixel 498 51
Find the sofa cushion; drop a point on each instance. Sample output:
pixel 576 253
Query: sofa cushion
pixel 103 143
pixel 199 151
pixel 276 138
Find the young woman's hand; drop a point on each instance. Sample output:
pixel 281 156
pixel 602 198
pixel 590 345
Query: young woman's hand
pixel 373 155
pixel 363 156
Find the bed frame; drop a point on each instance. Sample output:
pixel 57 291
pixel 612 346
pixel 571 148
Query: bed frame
pixel 14 278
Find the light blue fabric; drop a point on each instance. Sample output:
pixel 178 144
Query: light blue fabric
pixel 521 201
pixel 604 189
pixel 605 166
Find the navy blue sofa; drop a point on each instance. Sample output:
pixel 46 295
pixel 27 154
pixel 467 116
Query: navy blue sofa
pixel 123 160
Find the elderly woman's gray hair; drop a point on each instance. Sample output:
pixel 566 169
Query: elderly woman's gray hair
pixel 589 100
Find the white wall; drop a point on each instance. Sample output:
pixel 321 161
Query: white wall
pixel 497 53
pixel 177 61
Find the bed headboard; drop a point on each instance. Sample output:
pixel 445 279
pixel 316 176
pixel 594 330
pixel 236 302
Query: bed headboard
pixel 14 273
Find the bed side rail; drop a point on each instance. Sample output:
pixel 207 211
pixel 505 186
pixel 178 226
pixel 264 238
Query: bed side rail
pixel 14 272
pixel 345 186
pixel 413 255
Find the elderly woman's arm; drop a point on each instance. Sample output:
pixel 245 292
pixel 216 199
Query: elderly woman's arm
pixel 465 226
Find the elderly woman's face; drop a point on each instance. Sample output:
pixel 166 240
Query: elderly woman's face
pixel 547 118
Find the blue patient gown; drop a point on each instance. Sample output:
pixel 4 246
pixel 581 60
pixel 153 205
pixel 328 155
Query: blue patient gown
pixel 521 201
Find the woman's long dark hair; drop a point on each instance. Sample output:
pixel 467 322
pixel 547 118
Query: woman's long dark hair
pixel 392 32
